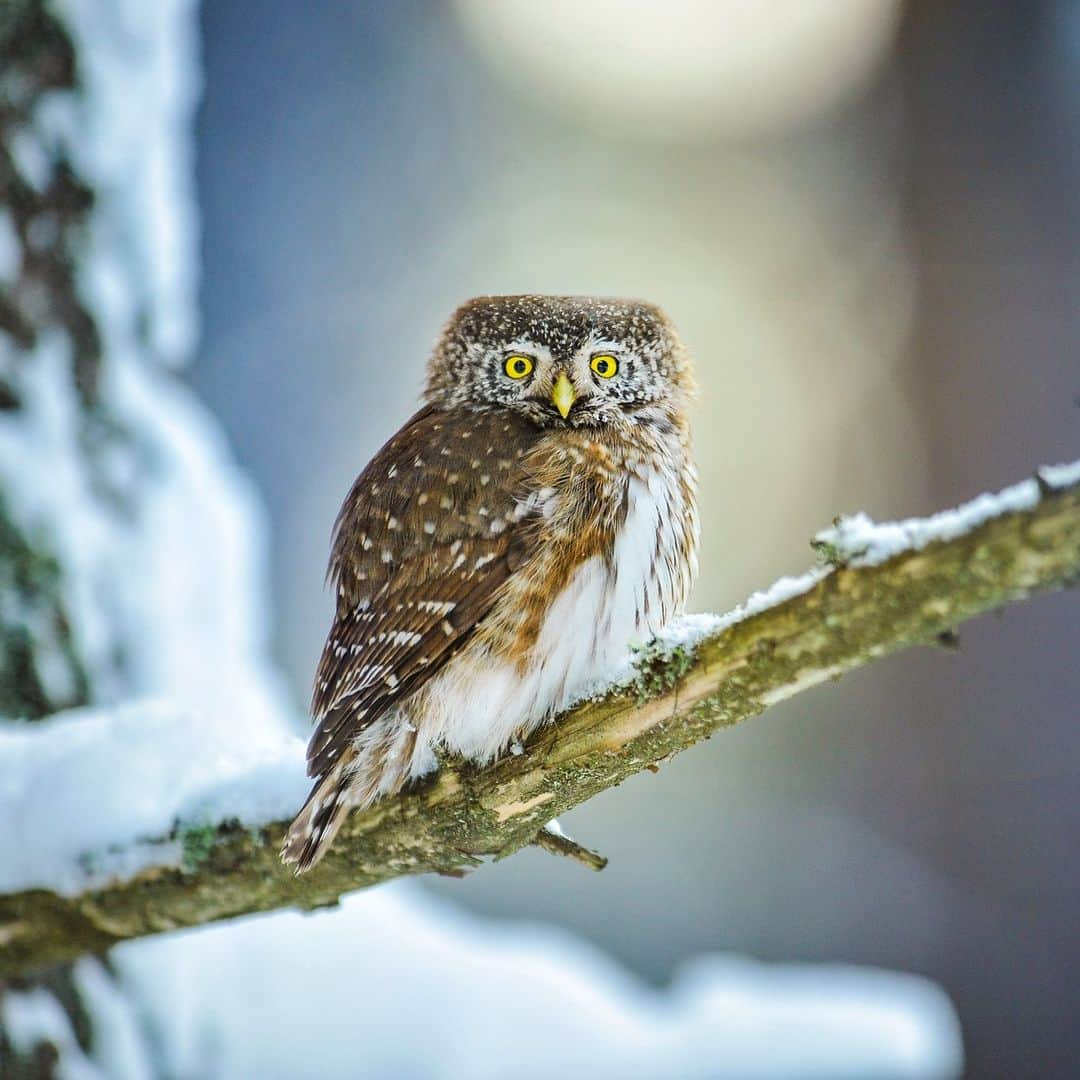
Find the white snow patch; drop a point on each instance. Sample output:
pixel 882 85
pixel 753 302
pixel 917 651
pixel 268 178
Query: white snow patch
pixel 1061 476
pixel 229 1000
pixel 78 788
pixel 120 1046
pixel 499 1000
pixel 31 1016
pixel 687 632
pixel 129 135
pixel 690 630
pixel 859 541
pixel 203 731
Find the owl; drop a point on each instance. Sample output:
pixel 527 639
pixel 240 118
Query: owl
pixel 503 550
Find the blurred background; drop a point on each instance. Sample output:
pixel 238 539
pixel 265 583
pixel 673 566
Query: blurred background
pixel 862 214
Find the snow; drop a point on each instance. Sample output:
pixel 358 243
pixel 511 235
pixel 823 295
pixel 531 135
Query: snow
pixel 195 725
pixel 120 1044
pixel 128 575
pixel 556 829
pixel 192 724
pixel 1059 477
pixel 163 578
pixel 687 632
pixel 344 993
pixel 28 1017
pixel 856 541
pixel 859 541
pixel 128 134
pixel 398 984
pixel 108 775
pixel 131 137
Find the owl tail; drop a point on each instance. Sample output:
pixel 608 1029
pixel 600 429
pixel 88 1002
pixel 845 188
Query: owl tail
pixel 313 831
pixel 377 765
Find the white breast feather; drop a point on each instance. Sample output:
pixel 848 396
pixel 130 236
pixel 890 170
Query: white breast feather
pixel 476 711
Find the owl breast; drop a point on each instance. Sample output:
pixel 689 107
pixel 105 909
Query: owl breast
pixel 482 702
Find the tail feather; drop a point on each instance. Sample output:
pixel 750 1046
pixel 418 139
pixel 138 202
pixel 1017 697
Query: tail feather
pixel 313 831
pixel 378 767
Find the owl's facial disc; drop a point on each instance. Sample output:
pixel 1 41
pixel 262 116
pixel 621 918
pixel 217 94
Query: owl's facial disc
pixel 561 361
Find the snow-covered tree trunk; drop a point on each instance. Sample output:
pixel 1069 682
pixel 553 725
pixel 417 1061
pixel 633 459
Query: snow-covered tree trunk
pixel 96 274
pixel 43 223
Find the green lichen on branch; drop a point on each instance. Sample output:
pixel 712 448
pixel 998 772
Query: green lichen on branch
pixel 658 667
pixel 465 813
pixel 205 845
pixel 196 844
pixel 830 553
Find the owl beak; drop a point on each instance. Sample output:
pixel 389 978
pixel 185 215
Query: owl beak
pixel 563 395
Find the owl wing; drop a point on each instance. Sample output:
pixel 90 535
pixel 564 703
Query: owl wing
pixel 436 523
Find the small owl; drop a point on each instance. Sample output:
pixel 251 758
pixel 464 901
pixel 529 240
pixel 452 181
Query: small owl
pixel 505 547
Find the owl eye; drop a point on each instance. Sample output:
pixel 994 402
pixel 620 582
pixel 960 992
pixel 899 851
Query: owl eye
pixel 604 365
pixel 517 367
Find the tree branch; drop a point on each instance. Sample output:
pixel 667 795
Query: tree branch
pixel 864 605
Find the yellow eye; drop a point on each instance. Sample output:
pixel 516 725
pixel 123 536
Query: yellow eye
pixel 517 367
pixel 604 365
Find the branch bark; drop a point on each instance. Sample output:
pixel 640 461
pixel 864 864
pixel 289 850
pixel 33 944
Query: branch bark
pixel 852 615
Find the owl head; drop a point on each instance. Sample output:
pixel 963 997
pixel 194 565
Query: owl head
pixel 571 361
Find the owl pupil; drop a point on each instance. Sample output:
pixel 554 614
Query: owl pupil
pixel 519 367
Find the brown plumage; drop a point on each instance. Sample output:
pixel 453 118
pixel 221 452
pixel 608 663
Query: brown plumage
pixel 504 547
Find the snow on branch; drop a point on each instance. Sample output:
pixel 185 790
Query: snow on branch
pixel 121 872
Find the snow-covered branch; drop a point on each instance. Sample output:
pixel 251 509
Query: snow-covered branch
pixel 880 588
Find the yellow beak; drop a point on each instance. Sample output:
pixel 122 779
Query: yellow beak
pixel 563 395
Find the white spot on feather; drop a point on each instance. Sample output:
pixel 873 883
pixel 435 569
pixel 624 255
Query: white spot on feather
pixel 437 607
